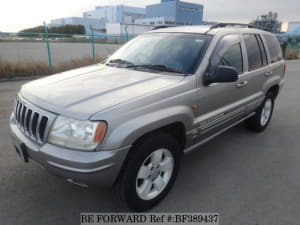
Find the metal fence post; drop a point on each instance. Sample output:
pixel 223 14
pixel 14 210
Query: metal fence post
pixel 93 43
pixel 48 46
pixel 126 31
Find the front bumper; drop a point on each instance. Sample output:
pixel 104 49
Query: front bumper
pixel 98 168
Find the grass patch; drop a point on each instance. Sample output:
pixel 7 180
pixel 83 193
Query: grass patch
pixel 34 68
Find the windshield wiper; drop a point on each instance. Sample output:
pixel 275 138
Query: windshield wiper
pixel 120 62
pixel 157 67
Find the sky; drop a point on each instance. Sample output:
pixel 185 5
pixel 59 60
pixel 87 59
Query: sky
pixel 17 14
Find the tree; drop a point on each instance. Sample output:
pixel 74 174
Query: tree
pixel 68 29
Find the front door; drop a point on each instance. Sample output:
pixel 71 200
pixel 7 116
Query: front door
pixel 219 104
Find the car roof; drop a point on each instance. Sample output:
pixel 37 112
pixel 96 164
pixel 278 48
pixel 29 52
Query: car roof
pixel 206 29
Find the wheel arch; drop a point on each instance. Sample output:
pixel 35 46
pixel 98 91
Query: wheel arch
pixel 274 89
pixel 175 129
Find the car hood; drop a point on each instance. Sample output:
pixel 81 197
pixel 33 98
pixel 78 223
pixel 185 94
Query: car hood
pixel 80 93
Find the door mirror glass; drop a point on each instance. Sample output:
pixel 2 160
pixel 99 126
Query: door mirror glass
pixel 223 74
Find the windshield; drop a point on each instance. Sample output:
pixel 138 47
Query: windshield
pixel 172 52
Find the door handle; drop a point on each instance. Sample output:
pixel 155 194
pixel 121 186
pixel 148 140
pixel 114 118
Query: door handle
pixel 242 84
pixel 269 73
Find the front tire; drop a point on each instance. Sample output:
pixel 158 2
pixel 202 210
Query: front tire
pixel 261 119
pixel 150 171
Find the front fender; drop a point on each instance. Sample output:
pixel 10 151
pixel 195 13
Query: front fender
pixel 128 132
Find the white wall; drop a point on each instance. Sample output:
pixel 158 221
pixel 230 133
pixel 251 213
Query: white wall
pixel 132 29
pixel 107 14
pixel 116 14
pixel 156 21
pixel 113 28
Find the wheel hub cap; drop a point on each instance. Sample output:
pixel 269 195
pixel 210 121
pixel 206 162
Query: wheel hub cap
pixel 154 174
pixel 266 112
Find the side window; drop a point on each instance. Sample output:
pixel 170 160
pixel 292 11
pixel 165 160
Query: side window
pixel 263 50
pixel 274 48
pixel 253 52
pixel 228 53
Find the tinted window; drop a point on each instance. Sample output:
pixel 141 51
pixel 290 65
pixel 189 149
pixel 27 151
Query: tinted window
pixel 253 51
pixel 274 48
pixel 228 53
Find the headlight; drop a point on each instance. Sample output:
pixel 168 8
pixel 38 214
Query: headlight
pixel 77 134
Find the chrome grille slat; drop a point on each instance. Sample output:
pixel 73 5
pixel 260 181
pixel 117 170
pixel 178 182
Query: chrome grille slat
pixel 37 131
pixel 16 107
pixel 27 119
pixel 42 127
pixel 23 116
pixel 33 122
pixel 30 123
pixel 19 112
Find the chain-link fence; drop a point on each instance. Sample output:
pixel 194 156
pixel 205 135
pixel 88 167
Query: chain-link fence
pixel 29 54
pixel 56 47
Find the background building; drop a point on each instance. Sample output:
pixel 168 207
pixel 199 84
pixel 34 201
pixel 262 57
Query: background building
pixel 119 19
pixel 173 12
pixel 269 22
pixel 116 14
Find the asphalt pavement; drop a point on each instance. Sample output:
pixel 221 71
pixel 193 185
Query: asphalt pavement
pixel 249 178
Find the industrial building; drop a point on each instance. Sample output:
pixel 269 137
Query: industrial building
pixel 103 15
pixel 269 22
pixel 116 14
pixel 123 19
pixel 175 12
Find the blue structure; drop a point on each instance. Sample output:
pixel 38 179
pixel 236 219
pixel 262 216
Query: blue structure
pixel 295 32
pixel 293 29
pixel 173 12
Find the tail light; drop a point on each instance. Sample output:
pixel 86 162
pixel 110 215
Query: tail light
pixel 284 69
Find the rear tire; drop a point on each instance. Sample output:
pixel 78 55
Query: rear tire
pixel 261 119
pixel 150 171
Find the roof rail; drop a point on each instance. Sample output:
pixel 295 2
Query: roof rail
pixel 220 25
pixel 159 27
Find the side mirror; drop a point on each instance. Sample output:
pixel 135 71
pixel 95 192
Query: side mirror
pixel 223 74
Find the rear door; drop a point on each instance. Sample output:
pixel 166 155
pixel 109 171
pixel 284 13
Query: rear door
pixel 252 81
pixel 275 59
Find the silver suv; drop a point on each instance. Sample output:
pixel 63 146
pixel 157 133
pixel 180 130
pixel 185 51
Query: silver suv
pixel 126 123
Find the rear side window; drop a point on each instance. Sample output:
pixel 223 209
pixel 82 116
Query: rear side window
pixel 274 48
pixel 263 50
pixel 228 53
pixel 253 51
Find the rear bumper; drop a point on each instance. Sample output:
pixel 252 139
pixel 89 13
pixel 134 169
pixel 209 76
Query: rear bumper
pixel 99 168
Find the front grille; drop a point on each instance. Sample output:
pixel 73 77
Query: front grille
pixel 32 122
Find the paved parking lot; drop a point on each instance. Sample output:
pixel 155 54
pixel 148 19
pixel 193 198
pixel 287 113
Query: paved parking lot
pixel 248 178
